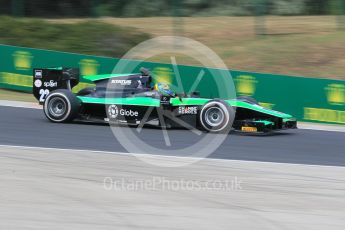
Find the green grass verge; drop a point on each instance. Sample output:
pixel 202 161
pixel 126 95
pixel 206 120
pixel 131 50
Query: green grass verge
pixel 310 46
pixel 10 95
pixel 87 37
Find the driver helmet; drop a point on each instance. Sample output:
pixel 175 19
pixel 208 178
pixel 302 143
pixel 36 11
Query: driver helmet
pixel 164 89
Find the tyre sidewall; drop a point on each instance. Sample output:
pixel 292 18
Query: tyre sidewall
pixel 228 113
pixel 71 103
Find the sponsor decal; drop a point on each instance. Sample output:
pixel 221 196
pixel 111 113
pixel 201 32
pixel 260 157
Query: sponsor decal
pixel 165 100
pixel 335 94
pixel 150 94
pixel 140 85
pixel 324 115
pixel 22 60
pixel 129 113
pixel 88 67
pixel 188 110
pixel 121 82
pixel 249 129
pixel 38 83
pixel 50 83
pixel 38 73
pixel 246 85
pixel 114 111
pixel 16 79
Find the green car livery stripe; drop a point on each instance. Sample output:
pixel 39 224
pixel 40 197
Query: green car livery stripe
pixel 140 101
pixel 188 101
pixel 56 68
pixel 105 76
pixel 234 103
pixel 148 101
pixel 258 108
pixel 265 122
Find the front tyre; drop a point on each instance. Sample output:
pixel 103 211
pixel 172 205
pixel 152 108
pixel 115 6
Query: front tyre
pixel 61 106
pixel 217 116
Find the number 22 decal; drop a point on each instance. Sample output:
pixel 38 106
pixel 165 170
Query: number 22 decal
pixel 44 93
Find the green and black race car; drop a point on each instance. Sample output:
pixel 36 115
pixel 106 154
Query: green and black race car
pixel 131 99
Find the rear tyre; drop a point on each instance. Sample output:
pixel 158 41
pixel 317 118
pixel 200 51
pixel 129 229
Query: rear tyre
pixel 61 106
pixel 250 100
pixel 217 116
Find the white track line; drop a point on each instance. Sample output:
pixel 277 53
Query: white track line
pixel 321 127
pixel 20 104
pixel 109 152
pixel 301 125
pixel 116 153
pixel 167 157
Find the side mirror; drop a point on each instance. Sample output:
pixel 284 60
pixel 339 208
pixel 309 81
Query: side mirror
pixel 144 71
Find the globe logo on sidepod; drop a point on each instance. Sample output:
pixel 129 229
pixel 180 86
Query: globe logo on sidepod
pixel 113 111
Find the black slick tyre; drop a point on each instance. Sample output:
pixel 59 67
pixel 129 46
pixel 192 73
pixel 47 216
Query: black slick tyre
pixel 61 106
pixel 216 116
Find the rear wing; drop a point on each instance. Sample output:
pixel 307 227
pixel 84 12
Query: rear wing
pixel 46 80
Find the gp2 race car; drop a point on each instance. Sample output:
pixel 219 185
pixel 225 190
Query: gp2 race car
pixel 131 99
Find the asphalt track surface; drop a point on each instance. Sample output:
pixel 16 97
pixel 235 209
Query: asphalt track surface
pixel 29 127
pixel 55 189
pixel 51 188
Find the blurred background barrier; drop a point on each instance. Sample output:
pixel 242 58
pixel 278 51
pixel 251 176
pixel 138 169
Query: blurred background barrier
pixel 140 8
pixel 174 8
pixel 309 99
